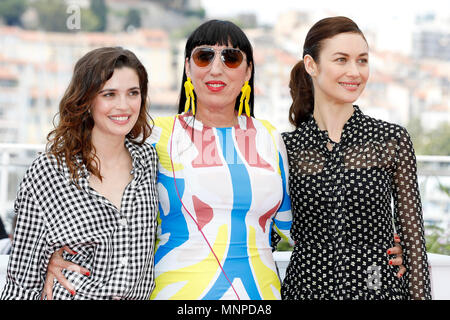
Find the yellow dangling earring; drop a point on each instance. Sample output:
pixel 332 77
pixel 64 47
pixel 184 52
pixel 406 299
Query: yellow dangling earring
pixel 246 89
pixel 189 90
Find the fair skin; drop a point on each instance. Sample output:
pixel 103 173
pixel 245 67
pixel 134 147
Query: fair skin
pixel 115 111
pixel 217 87
pixel 215 108
pixel 339 77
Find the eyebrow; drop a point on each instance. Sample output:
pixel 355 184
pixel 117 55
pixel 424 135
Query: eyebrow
pixel 108 89
pixel 347 55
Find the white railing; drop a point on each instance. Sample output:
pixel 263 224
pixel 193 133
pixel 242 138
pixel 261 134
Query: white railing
pixel 8 164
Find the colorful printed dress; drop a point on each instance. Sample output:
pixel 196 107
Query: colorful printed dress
pixel 232 185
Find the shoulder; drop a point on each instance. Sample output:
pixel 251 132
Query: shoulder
pixel 44 165
pixel 265 125
pixel 296 137
pixel 161 130
pixel 383 129
pixel 44 170
pixel 164 122
pixel 262 125
pixel 144 151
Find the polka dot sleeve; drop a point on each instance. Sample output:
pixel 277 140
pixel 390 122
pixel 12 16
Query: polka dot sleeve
pixel 408 219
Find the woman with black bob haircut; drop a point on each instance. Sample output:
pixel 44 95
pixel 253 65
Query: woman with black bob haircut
pixel 215 221
pixel 222 33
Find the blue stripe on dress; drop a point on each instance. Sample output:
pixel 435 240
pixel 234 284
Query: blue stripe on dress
pixel 237 262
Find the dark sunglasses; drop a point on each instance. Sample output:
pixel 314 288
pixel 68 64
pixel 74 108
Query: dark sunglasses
pixel 230 57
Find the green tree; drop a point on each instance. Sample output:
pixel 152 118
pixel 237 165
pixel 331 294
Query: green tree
pixel 133 19
pixel 12 10
pixel 89 21
pixel 438 141
pixel 99 9
pixel 416 131
pixel 432 142
pixel 52 15
pixel 199 13
pixel 437 240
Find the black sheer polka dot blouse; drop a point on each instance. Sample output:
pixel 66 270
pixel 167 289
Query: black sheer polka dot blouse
pixel 346 205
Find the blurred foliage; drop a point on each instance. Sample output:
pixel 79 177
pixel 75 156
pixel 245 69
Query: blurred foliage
pixel 12 10
pixel 199 13
pixel 52 15
pixel 283 245
pixel 185 31
pixel 133 19
pixel 89 21
pixel 437 240
pixel 99 10
pixel 432 142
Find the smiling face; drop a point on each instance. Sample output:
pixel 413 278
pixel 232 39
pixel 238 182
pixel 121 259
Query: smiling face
pixel 341 74
pixel 116 108
pixel 216 85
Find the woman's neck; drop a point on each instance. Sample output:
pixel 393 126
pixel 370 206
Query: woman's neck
pixel 217 117
pixel 110 150
pixel 332 118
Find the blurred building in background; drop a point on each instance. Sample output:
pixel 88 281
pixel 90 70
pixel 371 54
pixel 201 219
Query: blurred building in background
pixel 409 82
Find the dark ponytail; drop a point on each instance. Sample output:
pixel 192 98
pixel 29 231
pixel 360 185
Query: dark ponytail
pixel 300 84
pixel 301 89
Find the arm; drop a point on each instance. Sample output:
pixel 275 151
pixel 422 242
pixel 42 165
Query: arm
pixel 283 218
pixel 29 257
pixel 408 219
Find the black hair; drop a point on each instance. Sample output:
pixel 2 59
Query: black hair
pixel 219 32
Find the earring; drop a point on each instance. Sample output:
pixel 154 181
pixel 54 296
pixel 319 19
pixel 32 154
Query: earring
pixel 246 89
pixel 189 90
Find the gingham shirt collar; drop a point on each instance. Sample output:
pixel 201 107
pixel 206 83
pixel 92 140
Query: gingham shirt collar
pixel 138 164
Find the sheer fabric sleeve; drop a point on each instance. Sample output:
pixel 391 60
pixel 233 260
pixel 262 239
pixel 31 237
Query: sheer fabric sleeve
pixel 29 258
pixel 409 220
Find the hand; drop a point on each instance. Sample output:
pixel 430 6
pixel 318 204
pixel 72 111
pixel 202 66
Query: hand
pixel 398 260
pixel 54 270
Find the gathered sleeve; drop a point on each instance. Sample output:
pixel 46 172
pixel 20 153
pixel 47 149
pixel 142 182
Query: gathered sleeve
pixel 409 219
pixel 27 266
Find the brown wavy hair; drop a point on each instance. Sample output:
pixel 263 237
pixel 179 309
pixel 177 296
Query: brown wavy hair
pixel 301 85
pixel 71 137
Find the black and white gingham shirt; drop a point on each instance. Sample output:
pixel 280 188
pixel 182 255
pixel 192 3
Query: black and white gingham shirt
pixel 117 247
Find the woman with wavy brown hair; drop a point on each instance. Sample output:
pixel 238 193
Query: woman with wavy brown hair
pixel 93 192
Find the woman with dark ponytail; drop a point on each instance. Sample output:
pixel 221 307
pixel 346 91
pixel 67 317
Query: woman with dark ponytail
pixel 344 170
